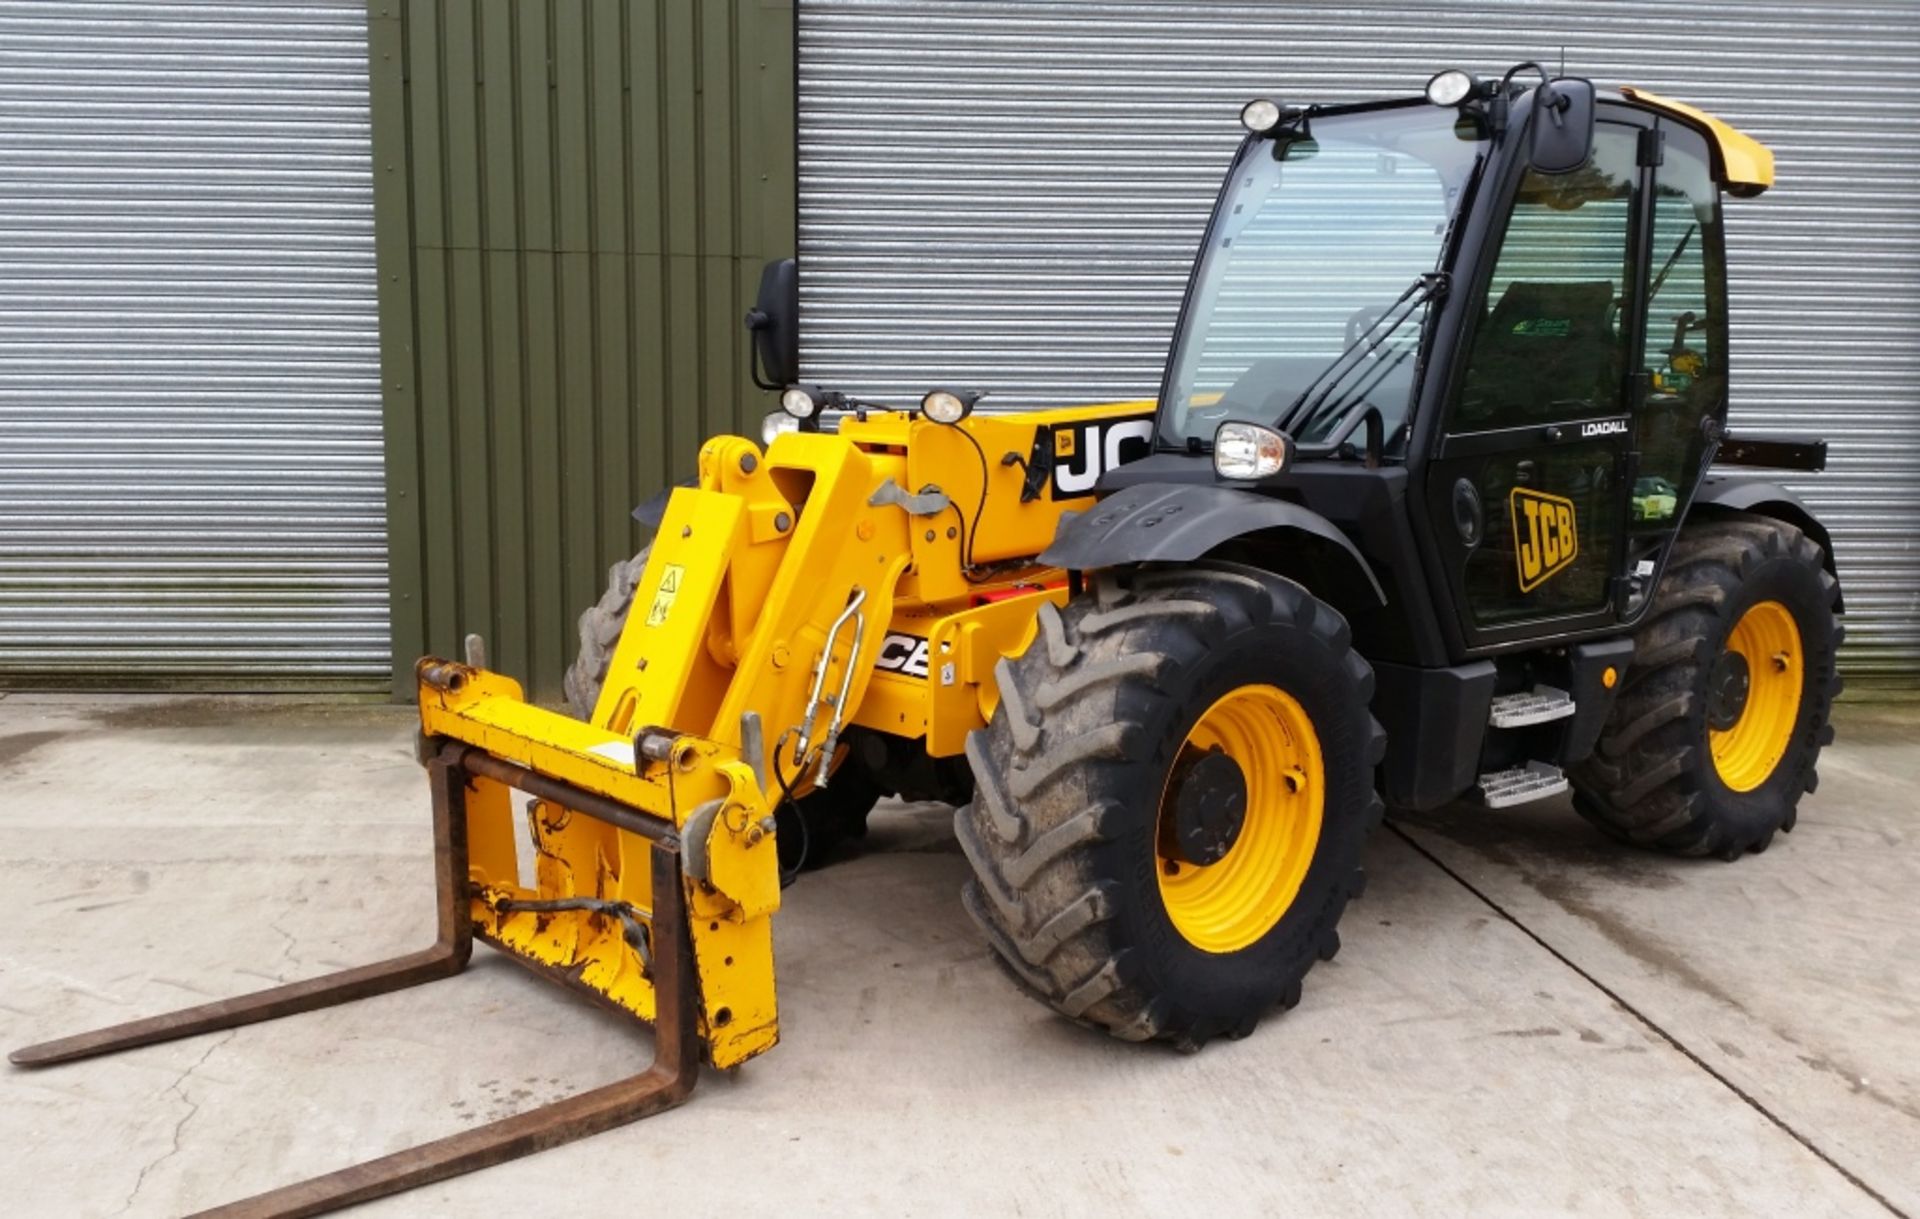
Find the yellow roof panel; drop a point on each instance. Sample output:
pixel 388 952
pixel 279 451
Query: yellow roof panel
pixel 1746 165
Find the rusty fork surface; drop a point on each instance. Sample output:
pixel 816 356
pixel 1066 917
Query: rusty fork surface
pixel 664 1084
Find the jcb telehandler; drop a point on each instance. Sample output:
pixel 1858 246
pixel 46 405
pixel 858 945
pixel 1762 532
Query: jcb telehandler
pixel 1423 512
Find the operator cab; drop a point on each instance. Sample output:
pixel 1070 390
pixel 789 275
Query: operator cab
pixel 1508 304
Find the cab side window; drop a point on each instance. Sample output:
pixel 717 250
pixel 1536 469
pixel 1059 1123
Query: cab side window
pixel 1684 360
pixel 1549 347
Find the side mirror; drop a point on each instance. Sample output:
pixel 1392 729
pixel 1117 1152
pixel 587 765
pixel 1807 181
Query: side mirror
pixel 774 324
pixel 1562 135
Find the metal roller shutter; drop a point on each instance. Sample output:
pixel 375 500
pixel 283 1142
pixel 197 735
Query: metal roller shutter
pixel 1007 195
pixel 191 487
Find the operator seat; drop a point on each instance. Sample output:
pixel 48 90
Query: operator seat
pixel 1545 342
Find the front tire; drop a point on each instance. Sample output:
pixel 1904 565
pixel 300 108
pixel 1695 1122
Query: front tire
pixel 1718 728
pixel 1108 880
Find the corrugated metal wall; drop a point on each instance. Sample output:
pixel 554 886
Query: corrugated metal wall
pixel 190 432
pixel 575 198
pixel 1007 195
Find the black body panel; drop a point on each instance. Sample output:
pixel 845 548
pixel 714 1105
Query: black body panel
pixel 1367 505
pixel 1435 719
pixel 1772 452
pixel 1587 664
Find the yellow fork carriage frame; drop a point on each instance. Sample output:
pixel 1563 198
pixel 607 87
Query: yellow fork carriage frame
pixel 873 577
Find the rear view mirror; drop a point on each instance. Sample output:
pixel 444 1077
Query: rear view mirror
pixel 1295 148
pixel 1562 135
pixel 774 323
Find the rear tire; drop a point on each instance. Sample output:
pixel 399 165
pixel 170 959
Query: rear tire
pixel 1654 779
pixel 1066 833
pixel 600 629
pixel 808 829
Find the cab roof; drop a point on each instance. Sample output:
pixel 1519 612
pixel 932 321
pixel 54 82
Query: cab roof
pixel 1742 164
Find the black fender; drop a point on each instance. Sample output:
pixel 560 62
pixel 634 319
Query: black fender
pixel 654 507
pixel 1763 498
pixel 1180 522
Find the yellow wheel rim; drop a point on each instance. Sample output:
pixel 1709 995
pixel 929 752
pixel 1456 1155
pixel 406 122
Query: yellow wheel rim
pixel 1746 752
pixel 1226 905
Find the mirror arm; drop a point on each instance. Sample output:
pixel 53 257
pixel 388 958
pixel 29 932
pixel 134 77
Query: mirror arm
pixel 1519 68
pixel 757 320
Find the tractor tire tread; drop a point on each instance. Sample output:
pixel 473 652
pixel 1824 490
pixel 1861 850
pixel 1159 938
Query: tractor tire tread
pixel 1649 780
pixel 1051 788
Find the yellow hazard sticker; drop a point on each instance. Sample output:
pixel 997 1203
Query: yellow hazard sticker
pixel 1063 441
pixel 663 595
pixel 1544 538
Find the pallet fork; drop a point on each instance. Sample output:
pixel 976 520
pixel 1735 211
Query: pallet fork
pixel 452 767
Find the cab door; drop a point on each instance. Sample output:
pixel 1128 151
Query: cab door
pixel 1529 482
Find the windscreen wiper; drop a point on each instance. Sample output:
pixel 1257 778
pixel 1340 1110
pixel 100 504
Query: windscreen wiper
pixel 1307 407
pixel 1667 267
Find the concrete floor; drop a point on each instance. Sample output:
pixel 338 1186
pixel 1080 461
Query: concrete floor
pixel 1525 1019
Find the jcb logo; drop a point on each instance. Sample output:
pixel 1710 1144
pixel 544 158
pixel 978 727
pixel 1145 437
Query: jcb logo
pixel 1082 452
pixel 1544 539
pixel 902 654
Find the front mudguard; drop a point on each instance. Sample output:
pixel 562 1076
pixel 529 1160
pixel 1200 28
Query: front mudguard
pixel 1181 522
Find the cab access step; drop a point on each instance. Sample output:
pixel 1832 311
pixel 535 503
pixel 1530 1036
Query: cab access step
pixel 1533 780
pixel 1540 705
pixel 1521 784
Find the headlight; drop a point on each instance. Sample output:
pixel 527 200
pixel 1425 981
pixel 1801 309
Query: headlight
pixel 946 406
pixel 1247 450
pixel 800 401
pixel 1260 115
pixel 1451 87
pixel 776 423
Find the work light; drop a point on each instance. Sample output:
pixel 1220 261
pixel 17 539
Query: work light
pixel 800 401
pixel 948 407
pixel 1260 115
pixel 1451 87
pixel 1247 450
pixel 776 423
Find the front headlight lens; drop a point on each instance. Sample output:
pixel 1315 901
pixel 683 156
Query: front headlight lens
pixel 776 423
pixel 799 401
pixel 1247 450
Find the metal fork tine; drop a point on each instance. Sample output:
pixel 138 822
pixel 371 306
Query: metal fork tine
pixel 447 957
pixel 666 1083
pixel 397 974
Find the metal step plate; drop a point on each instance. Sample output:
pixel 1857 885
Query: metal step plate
pixel 1536 706
pixel 1534 781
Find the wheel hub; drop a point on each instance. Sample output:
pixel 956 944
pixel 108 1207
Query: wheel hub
pixel 1728 684
pixel 1239 818
pixel 1751 727
pixel 1209 808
